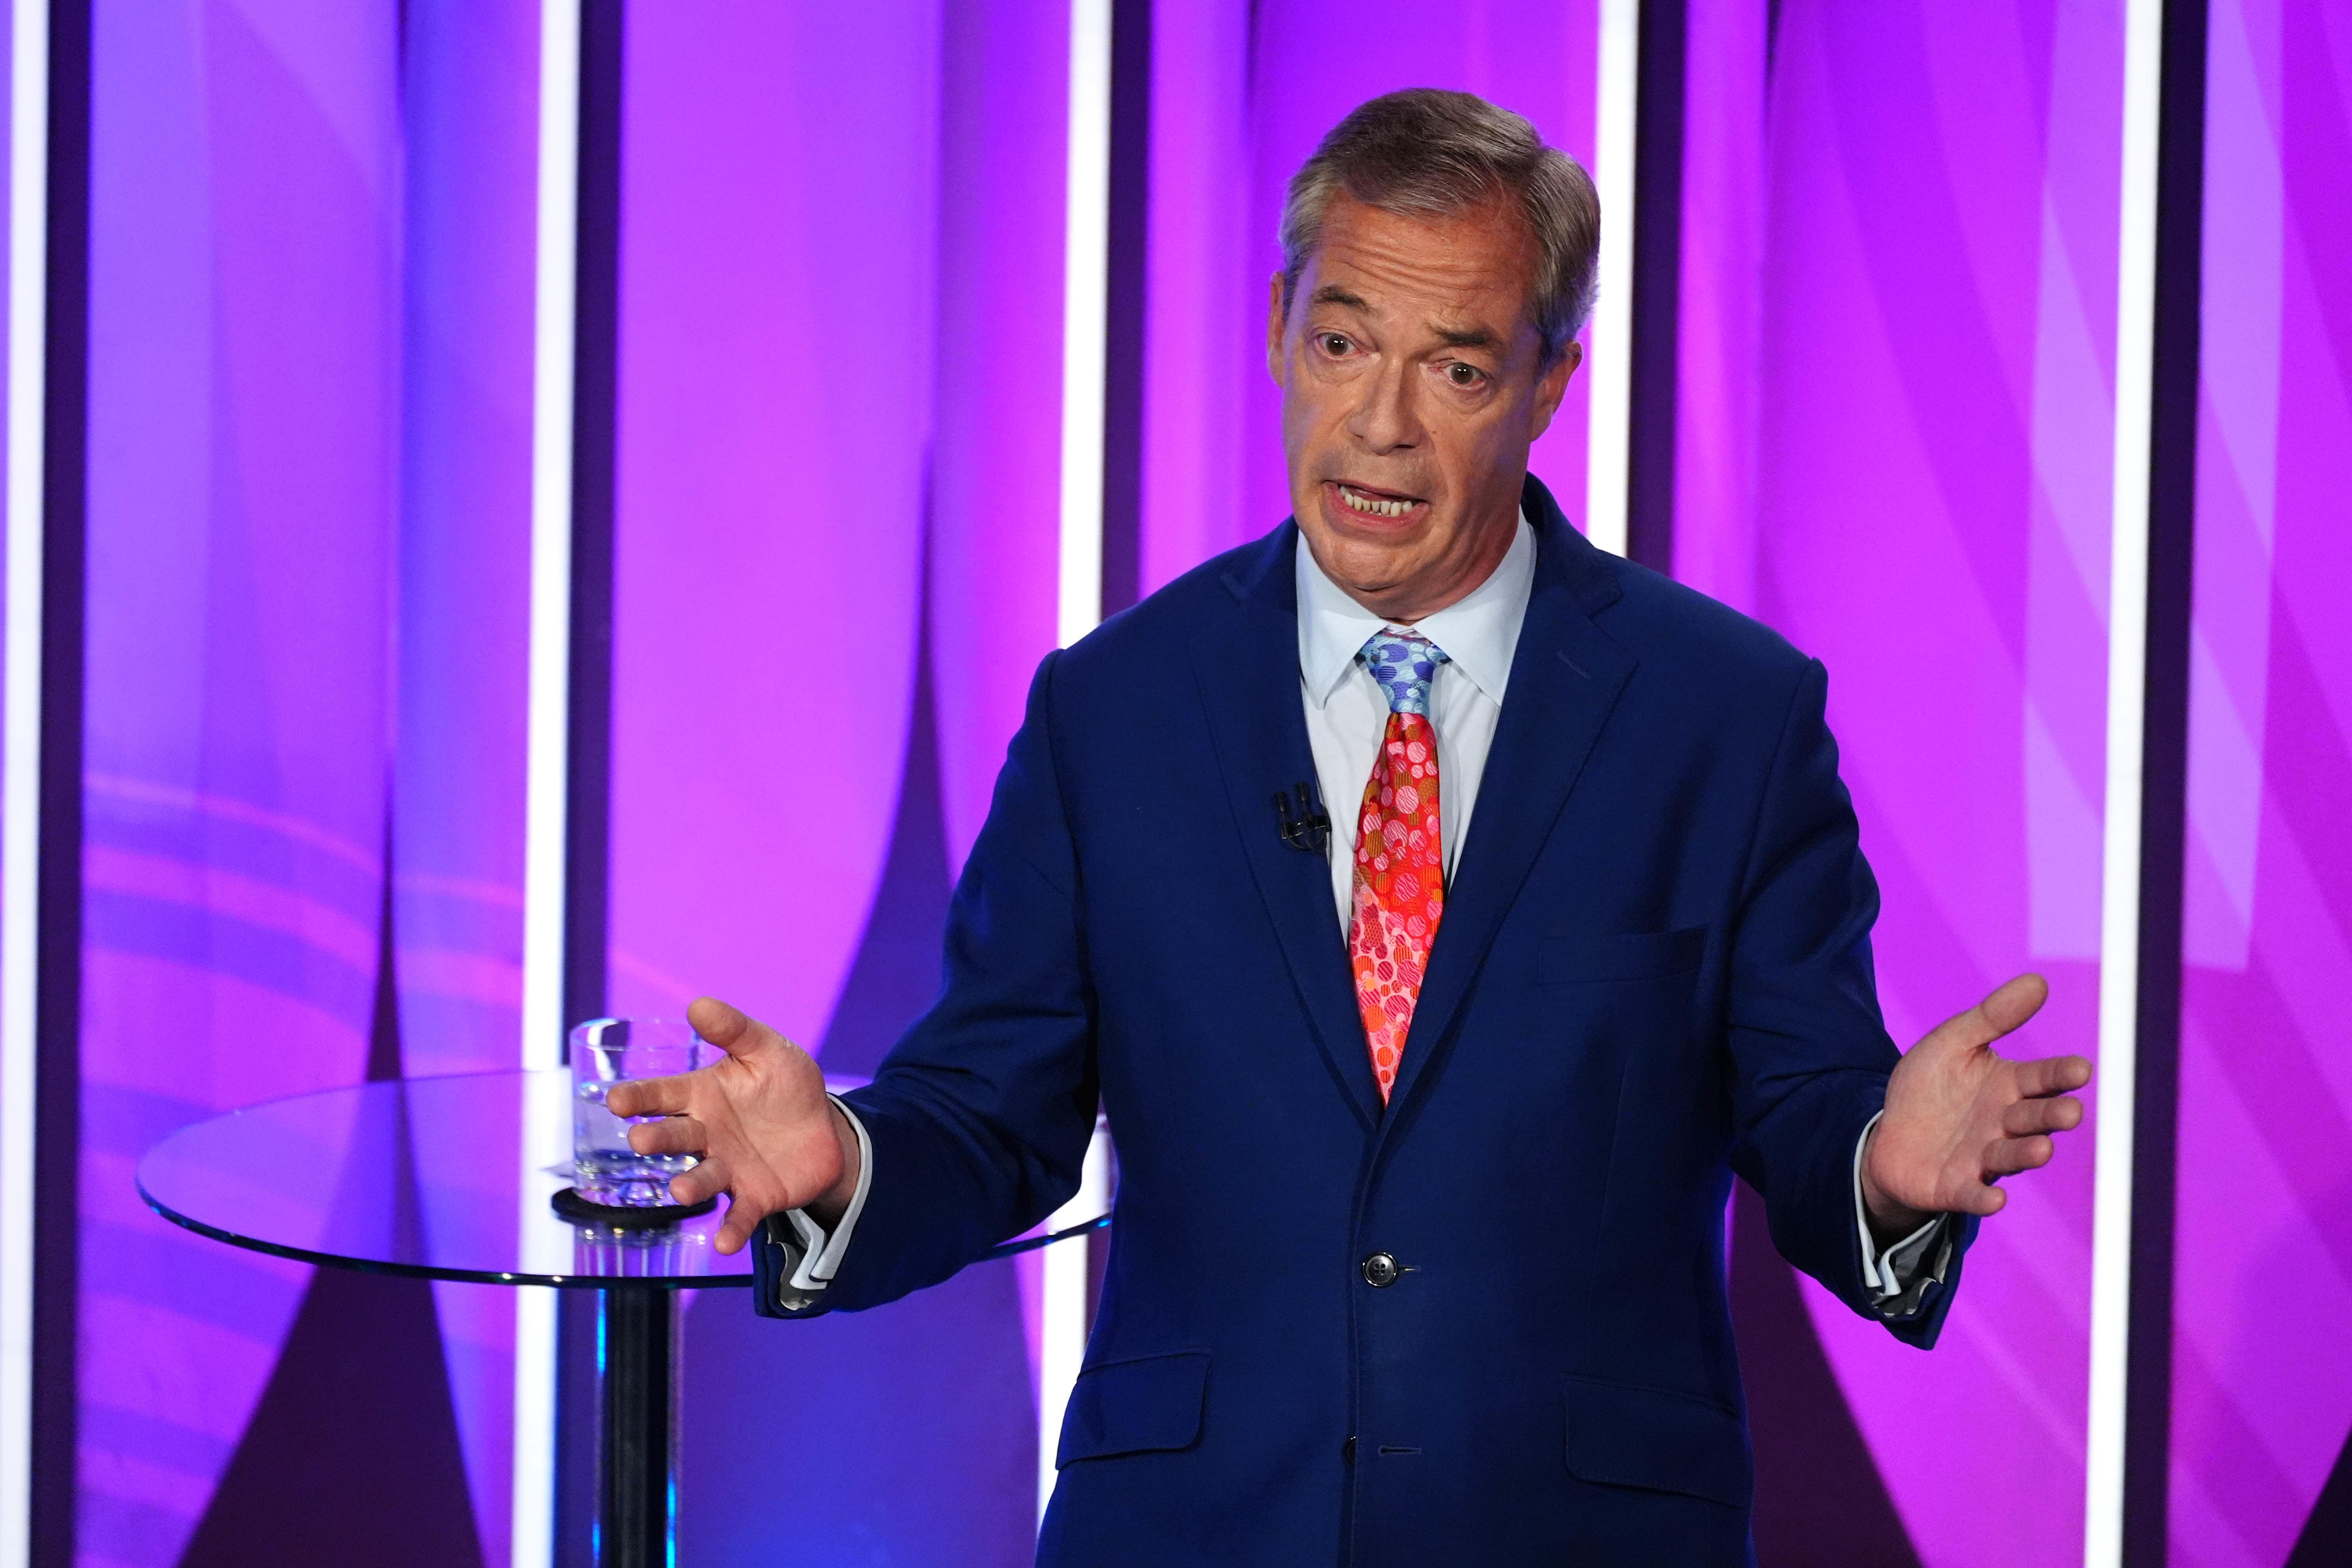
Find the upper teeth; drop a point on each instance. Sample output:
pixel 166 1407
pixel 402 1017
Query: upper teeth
pixel 1378 508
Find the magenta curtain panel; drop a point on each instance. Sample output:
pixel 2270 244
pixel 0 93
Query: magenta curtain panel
pixel 2262 1389
pixel 1895 445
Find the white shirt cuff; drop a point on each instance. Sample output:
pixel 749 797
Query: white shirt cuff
pixel 1897 1277
pixel 814 1255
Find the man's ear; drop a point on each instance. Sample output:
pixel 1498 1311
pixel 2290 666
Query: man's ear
pixel 1552 385
pixel 1274 325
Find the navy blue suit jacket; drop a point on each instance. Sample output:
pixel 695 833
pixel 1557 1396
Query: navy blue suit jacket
pixel 1653 971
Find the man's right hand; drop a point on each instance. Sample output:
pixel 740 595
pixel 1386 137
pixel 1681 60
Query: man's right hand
pixel 760 1119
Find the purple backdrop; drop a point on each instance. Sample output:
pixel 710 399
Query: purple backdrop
pixel 310 354
pixel 840 335
pixel 994 474
pixel 1240 94
pixel 470 106
pixel 1896 428
pixel 2262 1386
pixel 1718 372
pixel 245 358
pixel 772 436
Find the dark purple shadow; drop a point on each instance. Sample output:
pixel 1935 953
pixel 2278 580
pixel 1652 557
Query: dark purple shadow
pixel 897 971
pixel 1820 1500
pixel 2326 1538
pixel 352 1455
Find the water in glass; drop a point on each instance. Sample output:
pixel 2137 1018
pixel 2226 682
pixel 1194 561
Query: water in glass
pixel 606 1051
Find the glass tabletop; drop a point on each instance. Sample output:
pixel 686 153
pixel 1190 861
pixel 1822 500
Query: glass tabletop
pixel 447 1178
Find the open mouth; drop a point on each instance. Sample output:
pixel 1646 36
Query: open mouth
pixel 1367 502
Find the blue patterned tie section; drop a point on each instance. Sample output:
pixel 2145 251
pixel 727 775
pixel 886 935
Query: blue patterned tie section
pixel 1403 663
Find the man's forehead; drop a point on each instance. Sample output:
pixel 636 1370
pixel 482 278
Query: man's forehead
pixel 1465 276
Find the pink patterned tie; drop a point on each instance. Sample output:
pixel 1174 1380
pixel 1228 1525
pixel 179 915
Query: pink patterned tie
pixel 1400 861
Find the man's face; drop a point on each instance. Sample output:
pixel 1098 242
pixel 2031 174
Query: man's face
pixel 1411 391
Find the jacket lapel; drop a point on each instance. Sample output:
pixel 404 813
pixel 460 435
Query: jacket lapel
pixel 1260 730
pixel 1565 681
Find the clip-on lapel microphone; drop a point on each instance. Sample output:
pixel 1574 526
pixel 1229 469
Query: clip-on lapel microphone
pixel 1306 828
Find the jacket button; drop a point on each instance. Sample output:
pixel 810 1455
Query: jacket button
pixel 1381 1271
pixel 1347 1452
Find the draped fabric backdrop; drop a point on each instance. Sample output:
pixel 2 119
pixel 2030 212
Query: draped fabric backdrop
pixel 1895 446
pixel 308 434
pixel 837 476
pixel 840 342
pixel 1241 93
pixel 2262 1386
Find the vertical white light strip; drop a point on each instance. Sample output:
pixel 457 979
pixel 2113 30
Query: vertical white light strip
pixel 1086 285
pixel 1086 289
pixel 20 755
pixel 547 769
pixel 1610 373
pixel 2126 686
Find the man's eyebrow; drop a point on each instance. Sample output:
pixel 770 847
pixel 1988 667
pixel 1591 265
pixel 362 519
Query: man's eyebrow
pixel 1464 338
pixel 1473 337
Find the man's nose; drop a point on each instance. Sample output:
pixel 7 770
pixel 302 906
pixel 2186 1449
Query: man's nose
pixel 1385 419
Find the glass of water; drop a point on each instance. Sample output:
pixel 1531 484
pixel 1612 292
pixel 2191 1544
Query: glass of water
pixel 606 1051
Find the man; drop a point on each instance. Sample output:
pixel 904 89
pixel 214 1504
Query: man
pixel 1425 1134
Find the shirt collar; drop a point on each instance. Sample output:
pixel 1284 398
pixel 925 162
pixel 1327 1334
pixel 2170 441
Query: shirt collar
pixel 1479 631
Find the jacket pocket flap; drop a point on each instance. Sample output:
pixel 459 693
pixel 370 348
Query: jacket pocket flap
pixel 1623 1435
pixel 1609 955
pixel 1135 1406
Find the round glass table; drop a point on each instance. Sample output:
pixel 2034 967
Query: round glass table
pixel 452 1178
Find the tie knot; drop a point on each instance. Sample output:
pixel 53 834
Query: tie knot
pixel 1403 663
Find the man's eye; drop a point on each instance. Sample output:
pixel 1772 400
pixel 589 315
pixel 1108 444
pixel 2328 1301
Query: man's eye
pixel 1334 345
pixel 1463 375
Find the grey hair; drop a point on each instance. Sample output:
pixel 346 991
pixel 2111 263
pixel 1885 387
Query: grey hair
pixel 1425 153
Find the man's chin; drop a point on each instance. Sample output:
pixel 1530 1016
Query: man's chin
pixel 1388 550
pixel 1367 569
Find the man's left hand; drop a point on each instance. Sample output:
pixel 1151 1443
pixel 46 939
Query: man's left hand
pixel 1960 1116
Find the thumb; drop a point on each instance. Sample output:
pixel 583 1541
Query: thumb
pixel 2013 1001
pixel 2010 1006
pixel 737 1033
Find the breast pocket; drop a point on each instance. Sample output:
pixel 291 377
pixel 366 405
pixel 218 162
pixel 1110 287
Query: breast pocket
pixel 1585 958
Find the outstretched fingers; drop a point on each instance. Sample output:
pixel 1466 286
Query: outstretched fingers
pixel 745 1210
pixel 671 1096
pixel 729 1028
pixel 2052 1074
pixel 736 1231
pixel 707 1180
pixel 2011 1155
pixel 2012 1003
pixel 743 1116
pixel 2007 1009
pixel 2028 1117
pixel 675 1135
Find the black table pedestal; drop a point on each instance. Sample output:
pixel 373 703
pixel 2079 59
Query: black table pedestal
pixel 638 1457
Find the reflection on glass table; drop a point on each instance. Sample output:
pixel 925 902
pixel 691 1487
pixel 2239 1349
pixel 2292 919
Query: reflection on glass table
pixel 452 1178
